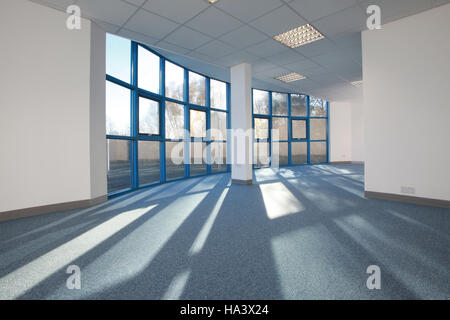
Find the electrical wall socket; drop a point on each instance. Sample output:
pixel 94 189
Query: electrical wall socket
pixel 408 190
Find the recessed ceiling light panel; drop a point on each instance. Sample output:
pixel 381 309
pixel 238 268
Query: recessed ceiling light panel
pixel 299 36
pixel 291 77
pixel 211 1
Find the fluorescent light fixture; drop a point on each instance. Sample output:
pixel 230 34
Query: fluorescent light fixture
pixel 291 77
pixel 211 1
pixel 357 83
pixel 299 36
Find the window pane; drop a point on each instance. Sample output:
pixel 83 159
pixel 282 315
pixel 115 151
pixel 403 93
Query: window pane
pixel 282 153
pixel 299 152
pixel 218 94
pixel 260 102
pixel 148 70
pixel 218 125
pixel 174 81
pixel 261 128
pixel 119 165
pixel 197 124
pixel 118 111
pixel 298 129
pixel 148 153
pixel 198 158
pixel 298 105
pixel 148 116
pixel 174 120
pixel 280 124
pixel 218 156
pixel 318 129
pixel 174 160
pixel 118 57
pixel 279 104
pixel 197 89
pixel 318 152
pixel 318 107
pixel 261 154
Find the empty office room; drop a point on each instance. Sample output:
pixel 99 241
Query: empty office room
pixel 224 150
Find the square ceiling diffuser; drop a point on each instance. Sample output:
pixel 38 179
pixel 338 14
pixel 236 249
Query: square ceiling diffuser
pixel 291 77
pixel 299 36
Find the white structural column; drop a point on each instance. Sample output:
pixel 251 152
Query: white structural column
pixel 241 124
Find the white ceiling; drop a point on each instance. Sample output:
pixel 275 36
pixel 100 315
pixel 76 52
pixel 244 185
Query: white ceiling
pixel 211 38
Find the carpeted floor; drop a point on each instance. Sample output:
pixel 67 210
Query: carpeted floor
pixel 297 233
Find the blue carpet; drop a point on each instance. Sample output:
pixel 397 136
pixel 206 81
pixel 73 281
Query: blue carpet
pixel 297 233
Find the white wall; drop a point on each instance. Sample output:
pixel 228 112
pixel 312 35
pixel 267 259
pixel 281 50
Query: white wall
pixel 406 71
pixel 51 105
pixel 340 119
pixel 346 129
pixel 357 124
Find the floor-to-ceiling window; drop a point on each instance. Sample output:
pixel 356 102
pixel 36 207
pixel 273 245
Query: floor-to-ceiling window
pixel 163 122
pixel 290 129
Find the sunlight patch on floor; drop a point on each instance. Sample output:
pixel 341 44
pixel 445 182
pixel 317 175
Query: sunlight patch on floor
pixel 176 287
pixel 279 201
pixel 19 281
pixel 199 242
pixel 138 249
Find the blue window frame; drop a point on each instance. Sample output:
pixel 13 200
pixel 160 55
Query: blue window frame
pixel 147 155
pixel 307 119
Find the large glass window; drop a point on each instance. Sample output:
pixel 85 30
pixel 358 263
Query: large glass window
pixel 197 89
pixel 148 155
pixel 318 107
pixel 119 165
pixel 149 104
pixel 218 94
pixel 260 102
pixel 174 81
pixel 299 152
pixel 299 105
pixel 218 125
pixel 198 124
pixel 148 70
pixel 174 120
pixel 298 129
pixel 280 124
pixel 198 158
pixel 261 128
pixel 318 152
pixel 118 55
pixel 318 129
pixel 148 116
pixel 118 109
pixel 297 136
pixel 218 156
pixel 261 154
pixel 279 104
pixel 174 160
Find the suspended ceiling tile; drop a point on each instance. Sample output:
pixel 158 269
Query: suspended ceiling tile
pixel 243 37
pixel 315 9
pixel 177 10
pixel 214 22
pixel 216 49
pixel 286 57
pixel 139 37
pixel 247 10
pixel 187 38
pixel 113 11
pixel 278 21
pixel 316 48
pixel 150 24
pixel 348 20
pixel 266 48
